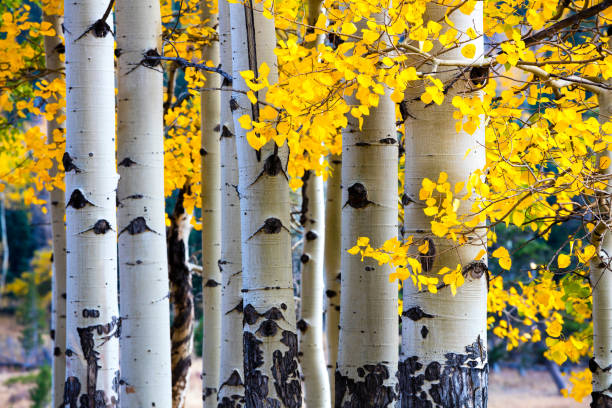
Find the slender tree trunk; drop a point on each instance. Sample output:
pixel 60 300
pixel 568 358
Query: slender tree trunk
pixel 231 387
pixel 53 49
pixel 143 264
pixel 93 323
pixel 601 281
pixel 181 298
pixel 444 337
pixel 316 381
pixel 333 214
pixel 270 341
pixel 211 220
pixel 5 245
pixel 368 354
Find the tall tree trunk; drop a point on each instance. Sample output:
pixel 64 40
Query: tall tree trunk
pixel 601 281
pixel 231 387
pixel 5 245
pixel 143 264
pixel 181 298
pixel 53 48
pixel 316 381
pixel 211 220
pixel 270 340
pixel 368 351
pixel 444 337
pixel 93 323
pixel 333 214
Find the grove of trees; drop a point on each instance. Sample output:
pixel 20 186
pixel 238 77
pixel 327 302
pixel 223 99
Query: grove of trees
pixel 365 177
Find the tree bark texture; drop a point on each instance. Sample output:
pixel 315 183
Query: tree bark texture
pixel 143 264
pixel 93 324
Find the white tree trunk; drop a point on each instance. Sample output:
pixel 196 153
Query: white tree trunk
pixel 231 387
pixel 368 351
pixel 53 50
pixel 270 340
pixel 310 325
pixel 211 221
pixel 333 216
pixel 143 264
pixel 444 337
pixel 601 281
pixel 93 323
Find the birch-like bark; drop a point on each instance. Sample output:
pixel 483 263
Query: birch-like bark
pixel 333 216
pixel 5 246
pixel 601 281
pixel 368 351
pixel 444 337
pixel 310 325
pixel 231 387
pixel 181 298
pixel 53 49
pixel 92 322
pixel 270 341
pixel 211 219
pixel 143 264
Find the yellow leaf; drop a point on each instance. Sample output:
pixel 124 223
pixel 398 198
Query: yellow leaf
pixel 348 28
pixel 363 241
pixel 469 51
pixel 604 162
pixel 563 261
pixel 500 252
pixel 245 122
pixel 505 263
pixel 354 250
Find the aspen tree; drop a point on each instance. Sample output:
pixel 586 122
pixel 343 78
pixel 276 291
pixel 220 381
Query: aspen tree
pixel 444 339
pixel 310 325
pixel 181 297
pixel 333 214
pixel 53 62
pixel 270 341
pixel 92 318
pixel 143 264
pixel 231 387
pixel 368 346
pixel 601 281
pixel 211 221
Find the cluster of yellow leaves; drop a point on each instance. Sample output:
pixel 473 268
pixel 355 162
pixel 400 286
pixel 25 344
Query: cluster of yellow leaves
pixel 40 274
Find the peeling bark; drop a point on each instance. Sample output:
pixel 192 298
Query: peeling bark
pixel 143 263
pixel 90 192
pixel 439 369
pixel 181 298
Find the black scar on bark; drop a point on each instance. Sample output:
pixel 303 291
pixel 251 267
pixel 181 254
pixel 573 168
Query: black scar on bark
pixel 211 283
pixel 137 226
pixel 91 313
pixel 72 389
pixel 68 163
pixel 427 259
pixel 330 293
pixel 250 315
pixel 273 313
pixel 118 52
pixel 461 383
pixel 86 336
pixel 256 384
pixel 217 127
pixel 285 371
pixel 116 381
pixel 403 107
pixel 208 391
pixel 302 325
pixel 60 48
pixel 238 308
pixel 127 162
pixel 234 380
pixel 271 226
pixel 363 144
pixel 225 132
pixel 601 400
pixel 101 227
pixel 233 104
pixel 311 236
pixel 77 200
pixel 52 332
pixel 406 200
pixel 267 328
pixel 479 75
pixel 69 353
pixel 416 313
pixel 150 59
pixel 357 196
pixel 424 331
pixel 203 152
pixel 305 258
pixel 371 392
pixel 57 352
pixel 388 140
